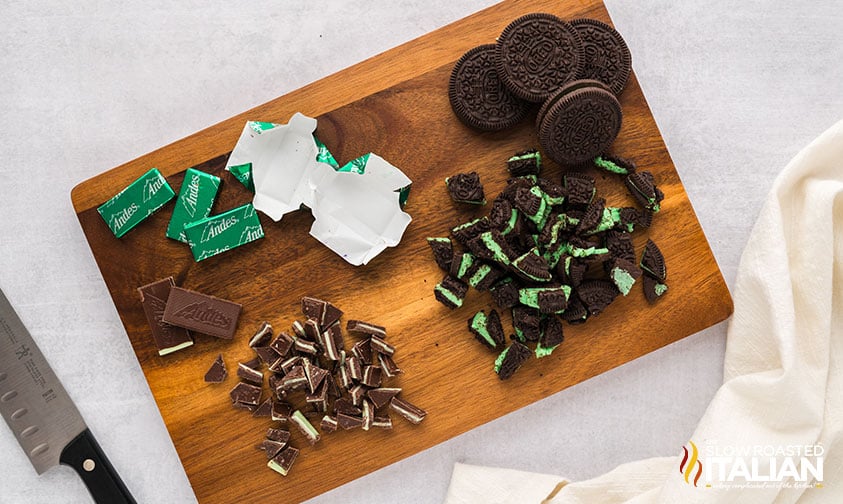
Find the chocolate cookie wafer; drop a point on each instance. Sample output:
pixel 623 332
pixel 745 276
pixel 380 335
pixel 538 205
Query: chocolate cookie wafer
pixel 607 56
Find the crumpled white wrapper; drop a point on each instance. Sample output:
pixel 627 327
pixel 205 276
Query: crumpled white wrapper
pixel 357 215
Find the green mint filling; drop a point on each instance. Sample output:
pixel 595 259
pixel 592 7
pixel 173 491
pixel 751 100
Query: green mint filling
pixel 450 296
pixel 499 360
pixel 466 261
pixel 438 240
pixel 176 348
pixel 610 166
pixel 660 289
pixel 259 127
pixel 478 324
pixel 529 297
pixel 510 225
pixel 305 423
pixel 276 467
pixel 494 248
pixel 623 280
pixel 585 252
pixel 544 351
pixel 467 225
pixel 530 155
pixel 478 276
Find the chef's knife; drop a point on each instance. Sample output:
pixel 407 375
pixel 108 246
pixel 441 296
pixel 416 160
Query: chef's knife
pixel 42 416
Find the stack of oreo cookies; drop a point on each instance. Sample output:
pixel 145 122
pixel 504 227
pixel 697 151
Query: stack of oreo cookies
pixel 574 70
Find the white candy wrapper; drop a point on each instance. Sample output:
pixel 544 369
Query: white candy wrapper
pixel 356 207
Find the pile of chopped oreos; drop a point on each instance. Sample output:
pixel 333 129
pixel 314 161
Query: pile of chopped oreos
pixel 548 251
pixel 311 376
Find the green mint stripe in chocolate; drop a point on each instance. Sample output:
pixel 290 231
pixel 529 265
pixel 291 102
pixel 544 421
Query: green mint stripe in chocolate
pixel 219 233
pixel 196 197
pixel 136 202
pixel 243 173
pixel 324 155
pixel 610 166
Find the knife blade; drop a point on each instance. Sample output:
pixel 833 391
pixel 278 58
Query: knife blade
pixel 42 415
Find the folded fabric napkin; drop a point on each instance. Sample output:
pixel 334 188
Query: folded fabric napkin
pixel 781 403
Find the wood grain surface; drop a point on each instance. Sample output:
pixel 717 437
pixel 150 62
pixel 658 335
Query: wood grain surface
pixel 396 105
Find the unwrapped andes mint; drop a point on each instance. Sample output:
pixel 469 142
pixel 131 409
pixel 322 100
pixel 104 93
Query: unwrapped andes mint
pixel 168 338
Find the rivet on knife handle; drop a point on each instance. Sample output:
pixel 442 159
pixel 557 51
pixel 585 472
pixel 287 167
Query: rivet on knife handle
pixel 86 457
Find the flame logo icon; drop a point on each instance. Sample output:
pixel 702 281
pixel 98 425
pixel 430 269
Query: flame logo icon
pixel 690 464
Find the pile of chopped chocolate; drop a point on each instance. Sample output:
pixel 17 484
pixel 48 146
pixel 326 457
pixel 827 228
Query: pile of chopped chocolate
pixel 549 252
pixel 310 375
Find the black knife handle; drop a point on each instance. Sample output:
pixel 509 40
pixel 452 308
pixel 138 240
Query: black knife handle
pixel 86 457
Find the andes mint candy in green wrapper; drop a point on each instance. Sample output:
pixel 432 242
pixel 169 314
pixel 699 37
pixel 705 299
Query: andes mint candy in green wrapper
pixel 219 233
pixel 196 197
pixel 136 202
pixel 243 173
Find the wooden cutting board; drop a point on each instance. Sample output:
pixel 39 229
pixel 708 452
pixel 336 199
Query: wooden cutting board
pixel 396 105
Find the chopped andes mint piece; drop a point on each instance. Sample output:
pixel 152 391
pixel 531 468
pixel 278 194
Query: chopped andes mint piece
pixel 381 396
pixel 293 380
pixel 281 411
pixel 344 405
pixel 267 354
pixel 471 229
pixel 332 315
pixel 372 376
pixel 282 343
pixel 264 410
pixel 348 422
pixel 298 329
pixel 359 326
pixel 466 188
pixel 643 188
pixel 382 422
pixel 253 364
pixel 315 375
pixel 262 337
pixel 505 293
pixel 450 292
pixel 528 162
pixel 380 346
pixel 329 423
pixel 299 420
pixel 280 435
pixel 624 274
pixel 217 372
pixel 271 448
pixel 596 295
pixel 580 188
pixel 244 393
pixel 319 397
pixel 653 263
pixel 511 359
pixel 409 411
pixel 356 394
pixel 551 336
pixel 653 289
pixel 487 329
pixel 355 368
pixel 245 406
pixel 332 342
pixel 282 462
pixel 168 338
pixel 443 252
pixel 532 266
pixel 306 346
pixel 368 414
pixel 363 351
pixel 249 374
pixel 313 309
pixel 388 366
pixel 614 164
pixel 311 330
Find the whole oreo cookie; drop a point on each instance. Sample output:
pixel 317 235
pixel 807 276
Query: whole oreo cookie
pixel 607 58
pixel 537 54
pixel 579 122
pixel 478 97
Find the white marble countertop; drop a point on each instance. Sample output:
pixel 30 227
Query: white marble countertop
pixel 737 88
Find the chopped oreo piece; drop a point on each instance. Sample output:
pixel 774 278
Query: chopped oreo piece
pixel 526 321
pixel 466 188
pixel 530 202
pixel 596 295
pixel 217 372
pixel 653 263
pixel 463 264
pixel 450 292
pixel 471 229
pixel 643 188
pixel 532 266
pixel 528 162
pixel 485 276
pixel 551 336
pixel 511 359
pixel 487 328
pixel 505 293
pixel 653 289
pixel 624 274
pixel 409 411
pixel 580 188
pixel 503 216
pixel 443 252
pixel 592 216
pixel 576 312
pixel 615 164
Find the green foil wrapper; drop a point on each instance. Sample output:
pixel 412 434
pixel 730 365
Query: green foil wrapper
pixel 243 173
pixel 196 197
pixel 219 233
pixel 136 202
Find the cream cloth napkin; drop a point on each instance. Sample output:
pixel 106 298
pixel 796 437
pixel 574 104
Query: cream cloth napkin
pixel 782 383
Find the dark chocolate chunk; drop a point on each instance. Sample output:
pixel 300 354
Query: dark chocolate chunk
pixel 249 374
pixel 536 54
pixel 253 364
pixel 607 57
pixel 450 291
pixel 202 313
pixel 653 263
pixel 244 393
pixel 466 188
pixel 381 396
pixel 267 354
pixel 264 410
pixel 284 460
pixel 282 343
pixel 262 337
pixel 596 295
pixel 478 97
pixel 580 188
pixel 443 251
pixel 505 293
pixel 332 316
pixel 272 448
pixel 280 435
pixel 528 162
pixel 511 359
pixel 217 372
pixel 168 338
pixel 348 422
pixel 313 309
pixel 412 413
